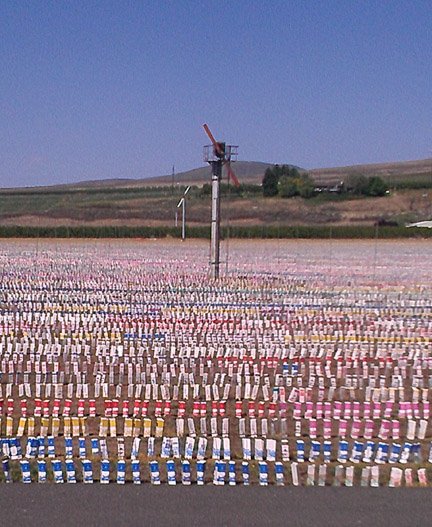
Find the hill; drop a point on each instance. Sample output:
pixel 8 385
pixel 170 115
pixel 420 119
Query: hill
pixel 246 171
pixel 418 170
pixel 252 172
pixel 152 202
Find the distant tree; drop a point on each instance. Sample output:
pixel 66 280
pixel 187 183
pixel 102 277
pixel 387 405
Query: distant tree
pixel 376 186
pixel 206 189
pixel 287 181
pixel 287 187
pixel 301 185
pixel 305 186
pixel 357 183
pixel 292 172
pixel 270 181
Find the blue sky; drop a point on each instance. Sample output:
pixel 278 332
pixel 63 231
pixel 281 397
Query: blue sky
pixel 93 90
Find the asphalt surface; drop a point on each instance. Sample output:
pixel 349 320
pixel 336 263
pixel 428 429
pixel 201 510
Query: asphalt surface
pixel 89 505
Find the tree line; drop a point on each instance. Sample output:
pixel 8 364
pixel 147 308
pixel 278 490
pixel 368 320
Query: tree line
pixel 287 181
pixel 251 231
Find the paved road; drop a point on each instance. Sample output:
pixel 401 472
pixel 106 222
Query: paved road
pixel 89 505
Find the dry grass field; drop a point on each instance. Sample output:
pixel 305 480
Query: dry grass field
pixel 141 203
pixel 140 209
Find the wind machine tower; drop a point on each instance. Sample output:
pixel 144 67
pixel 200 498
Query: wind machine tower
pixel 216 155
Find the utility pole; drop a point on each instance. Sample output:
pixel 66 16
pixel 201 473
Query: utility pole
pixel 172 180
pixel 215 218
pixel 216 155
